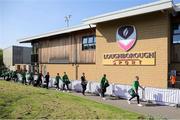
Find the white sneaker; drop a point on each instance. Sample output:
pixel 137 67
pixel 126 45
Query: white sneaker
pixel 140 105
pixel 63 91
pixel 129 102
pixel 104 98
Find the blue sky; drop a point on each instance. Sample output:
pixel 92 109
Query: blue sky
pixel 24 18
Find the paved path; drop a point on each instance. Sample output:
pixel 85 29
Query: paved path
pixel 147 109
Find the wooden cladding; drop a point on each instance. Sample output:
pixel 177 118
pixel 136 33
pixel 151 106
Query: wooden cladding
pixel 65 49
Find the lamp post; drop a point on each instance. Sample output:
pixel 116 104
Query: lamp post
pixel 67 19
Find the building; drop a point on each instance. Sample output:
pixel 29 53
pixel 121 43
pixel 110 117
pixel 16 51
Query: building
pixel 142 40
pixel 16 55
pixel 64 50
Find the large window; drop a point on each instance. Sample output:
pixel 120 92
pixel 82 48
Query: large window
pixel 88 42
pixel 176 33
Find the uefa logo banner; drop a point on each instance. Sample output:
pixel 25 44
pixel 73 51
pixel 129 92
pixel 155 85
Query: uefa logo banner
pixel 126 37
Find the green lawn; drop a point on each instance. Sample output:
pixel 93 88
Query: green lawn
pixel 26 102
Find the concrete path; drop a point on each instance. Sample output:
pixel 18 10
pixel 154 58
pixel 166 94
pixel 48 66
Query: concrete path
pixel 147 109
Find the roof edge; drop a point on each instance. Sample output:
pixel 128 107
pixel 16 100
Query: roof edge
pixel 58 32
pixel 177 7
pixel 141 9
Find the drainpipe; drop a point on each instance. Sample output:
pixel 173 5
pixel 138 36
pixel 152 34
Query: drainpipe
pixel 76 64
pixel 75 56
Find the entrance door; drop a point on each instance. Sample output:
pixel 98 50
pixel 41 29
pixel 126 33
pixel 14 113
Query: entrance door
pixel 175 51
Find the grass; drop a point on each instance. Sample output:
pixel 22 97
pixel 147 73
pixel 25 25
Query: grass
pixel 26 102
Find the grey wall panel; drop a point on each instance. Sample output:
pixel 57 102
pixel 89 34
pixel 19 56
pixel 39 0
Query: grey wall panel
pixel 26 55
pixel 16 55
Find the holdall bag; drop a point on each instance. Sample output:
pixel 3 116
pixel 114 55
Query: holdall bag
pixel 55 83
pixel 131 92
pixel 106 84
pixel 84 82
pixel 68 82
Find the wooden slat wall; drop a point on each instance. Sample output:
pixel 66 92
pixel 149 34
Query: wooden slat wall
pixel 64 48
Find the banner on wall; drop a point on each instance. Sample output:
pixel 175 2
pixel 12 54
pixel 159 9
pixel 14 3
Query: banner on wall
pixel 130 58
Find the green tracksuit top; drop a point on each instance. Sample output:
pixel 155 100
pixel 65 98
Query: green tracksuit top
pixel 58 78
pixel 103 82
pixel 135 85
pixel 65 79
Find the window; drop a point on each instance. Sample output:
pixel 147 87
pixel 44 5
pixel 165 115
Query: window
pixel 175 54
pixel 88 42
pixel 176 33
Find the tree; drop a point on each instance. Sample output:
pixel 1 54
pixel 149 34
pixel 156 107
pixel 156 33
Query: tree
pixel 1 59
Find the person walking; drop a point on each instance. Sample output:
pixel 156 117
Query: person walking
pixel 57 81
pixel 47 79
pixel 83 83
pixel 4 74
pixel 134 91
pixel 23 74
pixel 173 80
pixel 31 78
pixel 15 77
pixel 104 84
pixel 8 75
pixel 66 81
pixel 39 79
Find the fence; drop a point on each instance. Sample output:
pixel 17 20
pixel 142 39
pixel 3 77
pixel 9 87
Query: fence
pixel 160 96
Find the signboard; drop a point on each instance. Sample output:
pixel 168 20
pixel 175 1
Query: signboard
pixel 130 58
pixel 126 37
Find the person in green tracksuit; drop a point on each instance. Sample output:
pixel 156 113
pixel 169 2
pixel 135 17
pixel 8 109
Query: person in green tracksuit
pixel 23 74
pixel 57 81
pixel 14 76
pixel 31 78
pixel 4 74
pixel 65 81
pixel 104 84
pixel 135 87
pixel 7 74
pixel 11 75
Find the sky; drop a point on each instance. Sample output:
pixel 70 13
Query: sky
pixel 25 18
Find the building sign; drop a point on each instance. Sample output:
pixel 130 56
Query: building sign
pixel 133 58
pixel 126 37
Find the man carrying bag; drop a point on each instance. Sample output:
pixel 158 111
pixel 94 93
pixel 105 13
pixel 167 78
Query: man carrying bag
pixel 134 91
pixel 66 82
pixel 104 84
pixel 57 81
